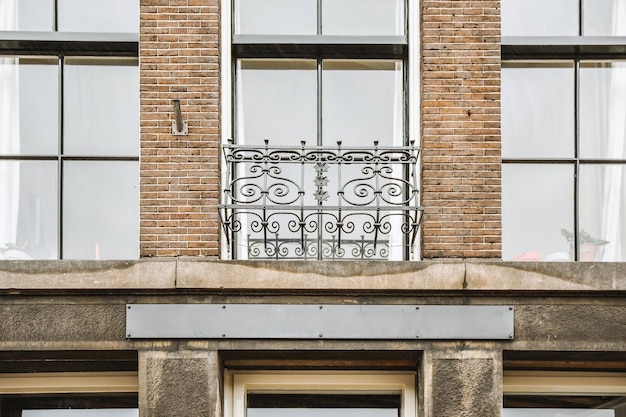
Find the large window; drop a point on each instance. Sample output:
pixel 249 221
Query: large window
pixel 563 131
pixel 317 78
pixel 564 394
pixel 111 16
pixel 320 394
pixel 69 130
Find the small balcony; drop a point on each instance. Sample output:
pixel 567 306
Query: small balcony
pixel 321 203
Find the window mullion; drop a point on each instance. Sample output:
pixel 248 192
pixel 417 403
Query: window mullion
pixel 581 17
pixel 319 17
pixel 60 158
pixel 55 23
pixel 576 157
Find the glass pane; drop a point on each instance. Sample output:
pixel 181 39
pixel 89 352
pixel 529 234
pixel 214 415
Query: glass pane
pixel 538 110
pixel 602 110
pixel 113 412
pixel 362 101
pixel 323 405
pixel 277 100
pixel 604 17
pixel 321 412
pixel 537 203
pixel 101 106
pixel 29 106
pixel 540 18
pixel 101 210
pixel 27 15
pixel 28 210
pixel 602 206
pixel 555 412
pixel 98 16
pixel 276 17
pixel 363 17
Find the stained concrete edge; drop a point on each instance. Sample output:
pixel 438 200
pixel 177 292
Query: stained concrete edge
pixel 362 276
pixel 545 276
pixel 210 274
pixel 68 275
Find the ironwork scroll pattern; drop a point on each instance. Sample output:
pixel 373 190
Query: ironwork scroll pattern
pixel 320 202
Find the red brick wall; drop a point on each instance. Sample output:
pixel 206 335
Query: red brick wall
pixel 179 59
pixel 461 129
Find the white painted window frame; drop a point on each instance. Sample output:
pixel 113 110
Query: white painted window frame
pixel 239 383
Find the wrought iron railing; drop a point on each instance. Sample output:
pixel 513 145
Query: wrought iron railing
pixel 316 202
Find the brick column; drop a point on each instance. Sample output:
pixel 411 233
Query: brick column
pixel 179 383
pixel 461 128
pixel 461 384
pixel 179 59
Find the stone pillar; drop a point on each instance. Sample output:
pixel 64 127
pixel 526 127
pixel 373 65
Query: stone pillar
pixel 179 383
pixel 461 383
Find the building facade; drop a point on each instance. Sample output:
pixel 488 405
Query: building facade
pixel 262 208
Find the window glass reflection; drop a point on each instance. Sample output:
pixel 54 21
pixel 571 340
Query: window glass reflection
pixel 100 210
pixel 29 113
pixel 323 405
pixel 604 17
pixel 27 15
pixel 118 16
pixel 275 17
pixel 537 203
pixel 321 412
pixel 101 106
pixel 540 18
pixel 362 101
pixel 363 17
pixel 602 212
pixel 277 100
pixel 538 110
pixel 602 110
pixel 28 210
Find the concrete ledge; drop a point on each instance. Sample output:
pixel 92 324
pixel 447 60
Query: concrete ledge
pixel 67 275
pixel 213 275
pixel 546 276
pixel 323 275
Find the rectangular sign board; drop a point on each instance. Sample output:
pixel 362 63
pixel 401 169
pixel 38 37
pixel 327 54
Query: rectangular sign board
pixel 314 321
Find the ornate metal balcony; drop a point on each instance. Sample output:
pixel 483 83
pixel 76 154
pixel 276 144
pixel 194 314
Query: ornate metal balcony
pixel 316 202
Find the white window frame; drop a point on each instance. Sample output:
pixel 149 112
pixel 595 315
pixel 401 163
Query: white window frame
pixel 564 383
pixel 239 383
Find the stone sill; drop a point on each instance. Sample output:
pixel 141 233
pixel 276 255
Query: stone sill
pixel 325 276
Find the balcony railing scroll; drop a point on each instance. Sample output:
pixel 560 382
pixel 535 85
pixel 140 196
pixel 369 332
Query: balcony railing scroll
pixel 321 202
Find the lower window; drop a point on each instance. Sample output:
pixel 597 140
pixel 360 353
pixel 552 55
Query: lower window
pixel 564 394
pixel 69 394
pixel 321 394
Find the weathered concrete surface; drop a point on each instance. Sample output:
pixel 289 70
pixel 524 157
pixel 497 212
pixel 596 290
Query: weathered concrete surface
pixel 461 384
pixel 99 321
pixel 199 273
pixel 546 276
pixel 60 322
pixel 365 276
pixel 571 324
pixel 87 274
pixel 180 383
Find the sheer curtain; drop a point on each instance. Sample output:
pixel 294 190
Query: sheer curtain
pixel 612 224
pixel 613 204
pixel 9 132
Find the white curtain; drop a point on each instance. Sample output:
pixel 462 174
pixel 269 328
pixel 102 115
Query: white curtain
pixel 9 131
pixel 9 144
pixel 612 223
